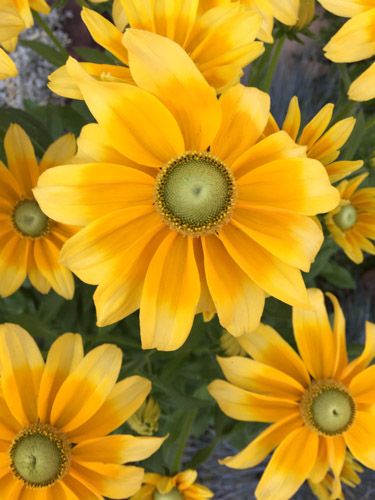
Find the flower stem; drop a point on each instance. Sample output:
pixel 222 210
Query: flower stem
pixel 48 31
pixel 278 46
pixel 189 420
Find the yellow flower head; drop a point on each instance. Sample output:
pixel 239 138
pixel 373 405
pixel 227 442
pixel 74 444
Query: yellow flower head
pixel 319 403
pixel 182 486
pixel 55 417
pixel 352 223
pixel 325 488
pixel 220 40
pixel 145 420
pixel 322 144
pixel 353 42
pixel 185 211
pixel 31 241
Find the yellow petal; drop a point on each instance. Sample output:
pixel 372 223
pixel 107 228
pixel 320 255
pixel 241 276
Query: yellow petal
pixel 368 354
pixel 11 23
pixel 13 262
pixel 63 357
pixel 362 386
pixel 168 304
pixel 263 444
pixel 340 169
pixel 286 12
pixel 244 405
pixel 21 370
pixel 316 127
pixel 86 388
pixel 119 17
pixel 163 68
pixel 174 20
pixel 332 140
pixel 292 120
pixel 59 152
pixel 360 438
pixel 242 109
pixel 139 14
pixel 314 338
pixel 346 8
pixel 282 478
pixel 76 489
pixel 152 139
pixel 40 6
pixel 363 87
pixel 336 450
pixel 320 469
pixel 7 66
pixel 339 337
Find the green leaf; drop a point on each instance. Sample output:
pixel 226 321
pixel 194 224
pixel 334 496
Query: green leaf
pixel 338 276
pixel 95 56
pixel 46 51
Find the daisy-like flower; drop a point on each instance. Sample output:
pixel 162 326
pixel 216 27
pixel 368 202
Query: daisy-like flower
pixel 353 42
pixel 322 144
pixel 182 486
pixel 11 24
pixel 318 403
pixel 349 476
pixel 220 41
pixel 185 211
pixel 352 223
pixel 55 417
pixel 30 241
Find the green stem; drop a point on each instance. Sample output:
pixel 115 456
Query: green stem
pixel 48 31
pixel 189 420
pixel 370 123
pixel 278 46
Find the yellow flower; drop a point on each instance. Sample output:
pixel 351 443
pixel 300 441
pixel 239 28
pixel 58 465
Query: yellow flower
pixel 145 420
pixel 348 475
pixel 220 41
pixel 185 212
pixel 318 403
pixel 323 145
pixel 230 345
pixel 30 241
pixel 11 24
pixel 353 42
pixel 182 486
pixel 55 417
pixel 352 223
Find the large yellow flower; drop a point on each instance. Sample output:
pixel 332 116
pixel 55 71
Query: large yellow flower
pixel 319 404
pixel 182 486
pixel 220 40
pixel 55 417
pixel 30 242
pixel 185 211
pixel 352 223
pixel 323 145
pixel 353 42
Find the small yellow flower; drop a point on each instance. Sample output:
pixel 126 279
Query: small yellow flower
pixel 324 489
pixel 352 223
pixel 318 403
pixel 31 241
pixel 55 417
pixel 353 42
pixel 145 420
pixel 182 486
pixel 322 144
pixel 230 345
pixel 186 211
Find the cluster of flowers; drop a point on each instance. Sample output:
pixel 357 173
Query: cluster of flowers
pixel 177 202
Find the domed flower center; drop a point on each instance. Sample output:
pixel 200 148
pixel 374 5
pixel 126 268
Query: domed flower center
pixel 327 407
pixel 29 220
pixel 174 494
pixel 195 193
pixel 40 455
pixel 346 218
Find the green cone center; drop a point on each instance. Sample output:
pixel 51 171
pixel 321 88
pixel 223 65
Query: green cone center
pixel 195 193
pixel 174 494
pixel 346 218
pixel 327 407
pixel 29 220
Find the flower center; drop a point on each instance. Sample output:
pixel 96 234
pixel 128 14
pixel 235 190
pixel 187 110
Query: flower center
pixel 40 455
pixel 195 193
pixel 327 407
pixel 29 220
pixel 174 494
pixel 346 218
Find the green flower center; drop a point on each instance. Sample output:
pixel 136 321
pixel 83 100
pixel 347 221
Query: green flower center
pixel 346 218
pixel 195 193
pixel 171 495
pixel 327 407
pixel 40 455
pixel 29 220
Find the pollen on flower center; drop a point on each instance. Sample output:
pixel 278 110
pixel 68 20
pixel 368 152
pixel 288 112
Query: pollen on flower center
pixel 40 455
pixel 174 494
pixel 195 193
pixel 327 407
pixel 29 220
pixel 346 218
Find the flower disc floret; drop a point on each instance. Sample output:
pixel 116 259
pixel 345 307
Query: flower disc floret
pixel 327 407
pixel 40 455
pixel 346 218
pixel 29 220
pixel 195 193
pixel 174 494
